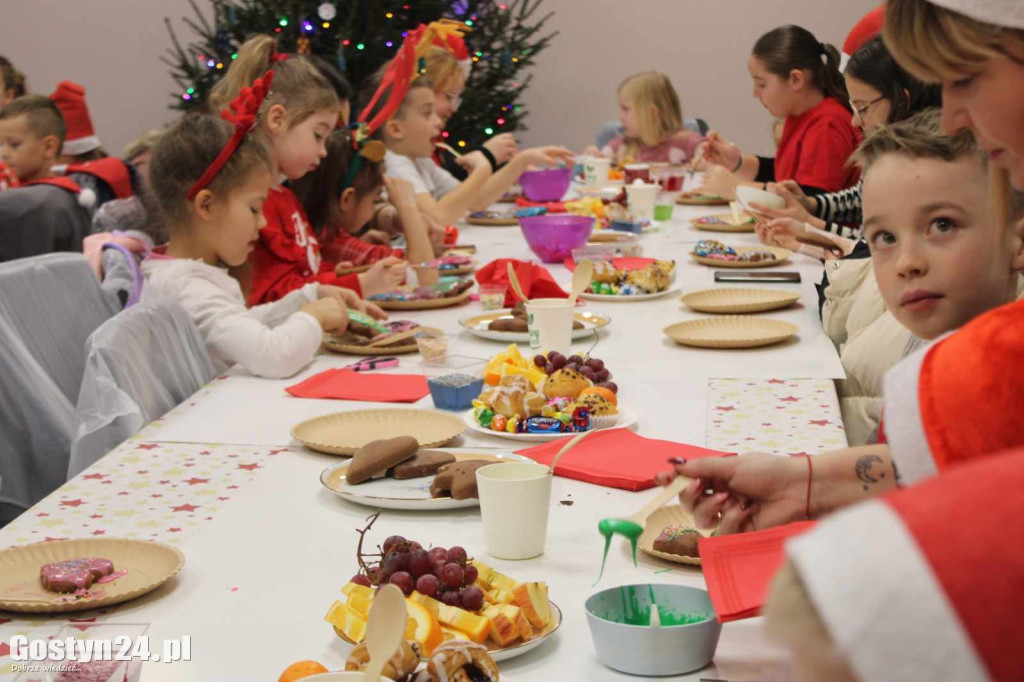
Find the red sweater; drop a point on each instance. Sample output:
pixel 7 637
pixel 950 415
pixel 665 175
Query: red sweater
pixel 287 256
pixel 816 146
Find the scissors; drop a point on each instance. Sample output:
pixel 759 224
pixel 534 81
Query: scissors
pixel 374 362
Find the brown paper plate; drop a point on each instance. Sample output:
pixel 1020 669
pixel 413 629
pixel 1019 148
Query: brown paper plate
pixel 781 256
pixel 342 433
pixel 611 236
pixel 723 222
pixel 428 304
pixel 331 343
pixel 701 200
pixel 739 300
pixel 493 222
pixel 149 565
pixel 731 331
pixel 656 522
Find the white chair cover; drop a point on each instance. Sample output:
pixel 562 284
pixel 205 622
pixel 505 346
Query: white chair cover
pixel 140 365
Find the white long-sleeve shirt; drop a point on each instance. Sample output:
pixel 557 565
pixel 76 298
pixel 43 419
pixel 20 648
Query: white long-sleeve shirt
pixel 274 340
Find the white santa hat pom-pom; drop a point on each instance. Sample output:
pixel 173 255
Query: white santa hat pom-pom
pixel 87 198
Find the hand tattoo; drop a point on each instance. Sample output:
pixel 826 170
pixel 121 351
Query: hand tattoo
pixel 863 469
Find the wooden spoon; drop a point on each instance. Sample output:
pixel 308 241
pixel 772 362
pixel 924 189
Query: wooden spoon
pixel 385 628
pixel 581 279
pixel 566 448
pixel 514 281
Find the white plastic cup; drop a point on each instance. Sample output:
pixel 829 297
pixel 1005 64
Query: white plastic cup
pixel 595 171
pixel 514 502
pixel 549 321
pixel 641 199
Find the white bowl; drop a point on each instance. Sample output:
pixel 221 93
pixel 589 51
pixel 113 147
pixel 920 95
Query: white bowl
pixel 748 195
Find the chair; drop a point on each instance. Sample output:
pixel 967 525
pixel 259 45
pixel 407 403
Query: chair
pixel 140 364
pixel 40 219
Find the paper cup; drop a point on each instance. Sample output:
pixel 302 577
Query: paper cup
pixel 641 200
pixel 550 324
pixel 595 171
pixel 514 502
pixel 636 171
pixel 426 275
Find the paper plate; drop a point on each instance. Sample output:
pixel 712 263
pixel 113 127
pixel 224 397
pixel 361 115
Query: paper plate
pixel 331 343
pixel 627 417
pixel 723 222
pixel 730 331
pixel 499 654
pixel 701 200
pixel 509 221
pixel 656 522
pixel 611 236
pixel 149 565
pixel 628 299
pixel 410 494
pixel 781 256
pixel 342 433
pixel 428 304
pixel 477 324
pixel 739 300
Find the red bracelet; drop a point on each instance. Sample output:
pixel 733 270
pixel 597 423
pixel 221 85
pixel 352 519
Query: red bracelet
pixel 810 476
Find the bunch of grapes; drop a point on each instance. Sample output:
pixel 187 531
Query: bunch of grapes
pixel 589 367
pixel 443 574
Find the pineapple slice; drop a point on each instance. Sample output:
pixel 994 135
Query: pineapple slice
pixel 532 598
pixel 348 624
pixel 354 588
pixel 360 603
pixel 476 627
pixel 493 579
pixel 449 633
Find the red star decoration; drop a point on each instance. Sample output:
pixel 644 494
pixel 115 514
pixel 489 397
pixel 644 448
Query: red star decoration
pixel 144 471
pixel 71 503
pixel 209 518
pixel 99 532
pixel 173 530
pixel 725 408
pixel 776 381
pixel 197 481
pixel 232 487
pixel 96 516
pixel 186 507
pixel 42 514
pixel 93 476
pixel 223 499
pixel 49 539
pixel 148 446
pixel 163 482
pixel 156 495
pixel 820 422
pixel 124 492
pixel 277 452
pixel 789 399
pixel 106 482
pixel 766 423
pixel 249 467
pixel 205 452
pixel 5 648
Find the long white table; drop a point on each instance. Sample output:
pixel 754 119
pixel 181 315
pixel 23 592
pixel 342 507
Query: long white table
pixel 267 548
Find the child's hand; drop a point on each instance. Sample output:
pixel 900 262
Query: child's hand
pixel 792 210
pixel 400 191
pixel 720 152
pixel 329 312
pixel 791 190
pixel 545 156
pixel 377 237
pixel 386 220
pixel 503 147
pixel 435 231
pixel 473 160
pixel 591 151
pixel 343 267
pixel 719 182
pixel 351 300
pixel 384 275
pixel 782 232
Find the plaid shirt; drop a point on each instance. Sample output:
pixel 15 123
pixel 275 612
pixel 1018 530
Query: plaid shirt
pixel 345 247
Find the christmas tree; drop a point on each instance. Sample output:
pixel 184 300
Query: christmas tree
pixel 503 41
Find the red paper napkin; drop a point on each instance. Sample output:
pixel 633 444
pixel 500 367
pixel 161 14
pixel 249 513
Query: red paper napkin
pixel 551 206
pixel 535 280
pixel 739 568
pixel 616 458
pixel 619 263
pixel 345 384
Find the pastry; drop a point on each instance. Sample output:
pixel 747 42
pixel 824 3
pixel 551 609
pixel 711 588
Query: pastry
pixel 565 383
pixel 75 574
pixel 679 540
pixel 599 406
pixel 401 667
pixel 375 458
pixel 459 661
pixel 423 463
pixel 457 480
pixel 604 272
pixel 509 324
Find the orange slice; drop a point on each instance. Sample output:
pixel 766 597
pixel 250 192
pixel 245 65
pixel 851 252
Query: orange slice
pixel 425 628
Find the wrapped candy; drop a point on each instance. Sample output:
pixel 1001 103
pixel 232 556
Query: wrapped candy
pixel 531 211
pixel 482 414
pixel 542 425
pixel 512 426
pixel 498 422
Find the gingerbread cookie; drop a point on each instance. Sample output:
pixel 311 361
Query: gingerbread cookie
pixel 376 457
pixel 423 463
pixel 679 540
pixel 458 480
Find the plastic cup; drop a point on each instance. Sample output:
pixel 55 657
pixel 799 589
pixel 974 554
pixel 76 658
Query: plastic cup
pixel 550 324
pixel 595 171
pixel 433 346
pixel 454 381
pixel 637 171
pixel 492 296
pixel 665 205
pixel 641 199
pixel 514 502
pixel 427 275
pixel 670 178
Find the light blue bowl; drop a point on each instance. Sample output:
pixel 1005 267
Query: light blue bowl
pixel 619 625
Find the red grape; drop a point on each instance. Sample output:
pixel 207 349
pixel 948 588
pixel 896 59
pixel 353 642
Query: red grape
pixel 413 545
pixel 472 598
pixel 428 585
pixel 588 373
pixel 360 579
pixel 470 574
pixel 392 542
pixel 403 581
pixel 453 575
pixel 540 360
pixel 438 554
pixel 595 364
pixel 439 569
pixel 457 555
pixel 575 360
pixel 550 369
pixel 451 598
pixel 396 562
pixel 557 361
pixel 602 375
pixel 419 562
pixel 612 386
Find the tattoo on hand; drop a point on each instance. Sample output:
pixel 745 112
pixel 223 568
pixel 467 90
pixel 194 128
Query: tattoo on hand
pixel 863 469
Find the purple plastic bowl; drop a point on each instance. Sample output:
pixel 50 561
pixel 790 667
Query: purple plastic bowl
pixel 546 185
pixel 553 237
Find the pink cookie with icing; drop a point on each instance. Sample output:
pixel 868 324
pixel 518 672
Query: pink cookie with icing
pixel 75 574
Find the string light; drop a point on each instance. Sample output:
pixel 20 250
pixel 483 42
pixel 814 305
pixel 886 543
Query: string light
pixel 234 55
pixel 307 27
pixel 469 22
pixel 489 131
pixel 210 63
pixel 360 46
pixel 515 59
pixel 389 15
pixel 501 121
pixel 186 96
pixel 389 44
pixel 284 21
pixel 346 42
pixel 327 24
pixel 444 134
pixel 190 91
pixel 220 65
pixel 462 143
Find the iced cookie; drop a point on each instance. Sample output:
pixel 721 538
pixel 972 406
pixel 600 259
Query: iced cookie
pixel 375 458
pixel 458 480
pixel 423 463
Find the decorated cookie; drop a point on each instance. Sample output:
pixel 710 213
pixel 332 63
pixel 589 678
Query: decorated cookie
pixel 679 540
pixel 457 480
pixel 375 458
pixel 423 463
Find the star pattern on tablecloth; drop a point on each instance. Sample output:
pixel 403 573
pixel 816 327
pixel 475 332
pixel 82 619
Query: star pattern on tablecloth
pixel 779 416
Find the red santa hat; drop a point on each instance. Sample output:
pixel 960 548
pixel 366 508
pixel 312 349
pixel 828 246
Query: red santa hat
pixel 456 44
pixel 864 30
pixel 1008 13
pixel 80 136
pixel 113 171
pixel 959 398
pixel 912 587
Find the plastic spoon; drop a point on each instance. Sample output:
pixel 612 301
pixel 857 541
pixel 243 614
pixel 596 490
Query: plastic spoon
pixel 581 279
pixel 565 448
pixel 736 215
pixel 385 628
pixel 514 281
